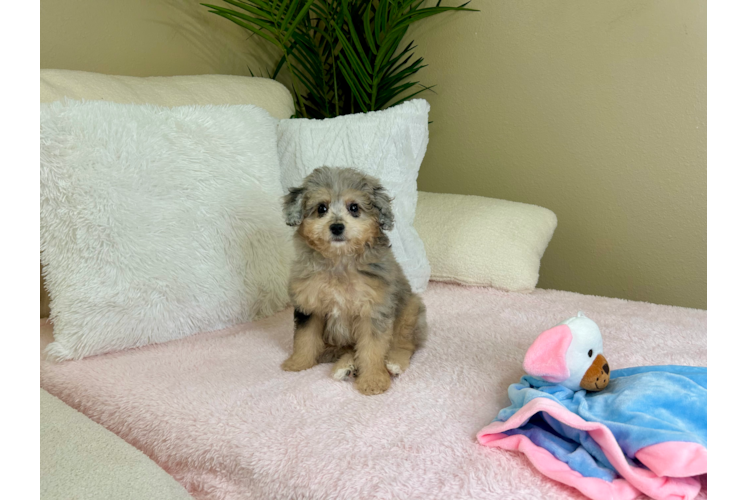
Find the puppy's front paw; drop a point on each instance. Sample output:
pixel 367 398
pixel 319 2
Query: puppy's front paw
pixel 295 364
pixel 373 383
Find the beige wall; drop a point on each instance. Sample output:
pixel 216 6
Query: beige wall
pixel 594 109
pixel 145 38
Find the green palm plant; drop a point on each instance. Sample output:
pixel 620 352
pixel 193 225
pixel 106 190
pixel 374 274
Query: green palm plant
pixel 343 56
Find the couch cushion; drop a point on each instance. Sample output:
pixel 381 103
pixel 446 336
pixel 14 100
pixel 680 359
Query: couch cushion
pixel 474 240
pixel 168 91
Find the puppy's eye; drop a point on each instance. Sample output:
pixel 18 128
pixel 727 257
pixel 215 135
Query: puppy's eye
pixel 322 209
pixel 589 353
pixel 353 208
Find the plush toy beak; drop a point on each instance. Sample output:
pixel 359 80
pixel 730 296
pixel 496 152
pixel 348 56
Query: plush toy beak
pixel 597 376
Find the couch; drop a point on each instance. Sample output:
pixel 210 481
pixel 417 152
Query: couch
pixel 196 417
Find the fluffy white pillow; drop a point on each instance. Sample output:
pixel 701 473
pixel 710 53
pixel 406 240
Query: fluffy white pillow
pixel 389 145
pixel 180 90
pixel 474 240
pixel 157 223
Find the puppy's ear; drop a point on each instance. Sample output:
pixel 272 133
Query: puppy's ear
pixel 293 209
pixel 383 204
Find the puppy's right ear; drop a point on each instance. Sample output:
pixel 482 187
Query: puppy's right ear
pixel 293 209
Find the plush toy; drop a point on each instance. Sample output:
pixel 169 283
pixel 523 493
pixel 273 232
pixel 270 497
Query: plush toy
pixel 571 355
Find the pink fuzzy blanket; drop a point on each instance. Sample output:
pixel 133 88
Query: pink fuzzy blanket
pixel 216 411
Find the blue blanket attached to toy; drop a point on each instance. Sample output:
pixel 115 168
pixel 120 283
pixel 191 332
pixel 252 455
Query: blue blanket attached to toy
pixel 656 417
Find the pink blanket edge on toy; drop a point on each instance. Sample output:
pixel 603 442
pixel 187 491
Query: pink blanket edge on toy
pixel 677 484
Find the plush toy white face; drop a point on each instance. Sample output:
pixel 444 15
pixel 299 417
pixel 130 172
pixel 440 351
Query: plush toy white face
pixel 586 345
pixel 570 354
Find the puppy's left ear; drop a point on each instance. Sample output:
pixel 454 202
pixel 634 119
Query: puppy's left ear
pixel 383 204
pixel 293 209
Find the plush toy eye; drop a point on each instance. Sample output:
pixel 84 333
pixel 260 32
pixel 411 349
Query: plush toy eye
pixel 354 208
pixel 589 353
pixel 322 209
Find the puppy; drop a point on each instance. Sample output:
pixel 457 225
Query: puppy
pixel 352 302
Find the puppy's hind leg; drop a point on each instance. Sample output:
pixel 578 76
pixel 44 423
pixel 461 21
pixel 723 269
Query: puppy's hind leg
pixel 345 366
pixel 409 333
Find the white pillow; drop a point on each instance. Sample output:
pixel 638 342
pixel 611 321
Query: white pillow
pixel 474 240
pixel 157 223
pixel 57 84
pixel 389 145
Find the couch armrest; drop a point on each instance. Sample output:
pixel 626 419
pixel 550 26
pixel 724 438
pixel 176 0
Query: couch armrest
pixel 82 459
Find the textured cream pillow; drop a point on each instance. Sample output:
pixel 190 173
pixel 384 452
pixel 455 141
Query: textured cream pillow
pixel 474 240
pixel 389 145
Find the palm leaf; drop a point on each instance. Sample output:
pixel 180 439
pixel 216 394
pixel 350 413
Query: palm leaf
pixel 247 26
pixel 261 23
pixel 301 15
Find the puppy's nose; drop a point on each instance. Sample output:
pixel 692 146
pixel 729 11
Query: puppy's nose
pixel 337 229
pixel 605 368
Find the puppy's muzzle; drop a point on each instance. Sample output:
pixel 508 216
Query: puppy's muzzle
pixel 337 229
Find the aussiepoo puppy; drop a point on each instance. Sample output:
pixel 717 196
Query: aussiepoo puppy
pixel 352 303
